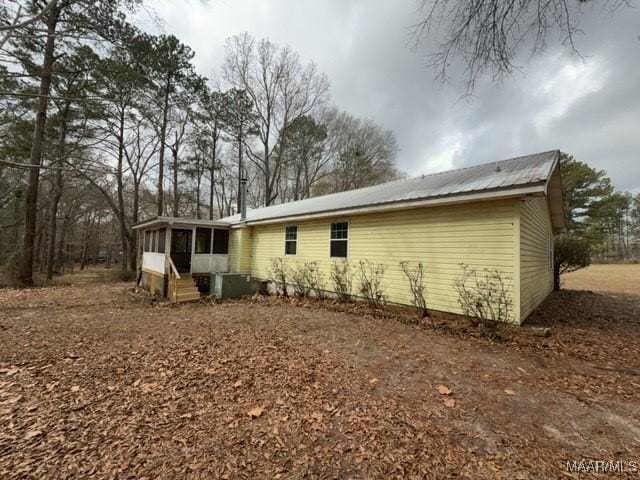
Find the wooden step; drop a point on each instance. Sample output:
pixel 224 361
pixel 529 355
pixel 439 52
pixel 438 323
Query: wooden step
pixel 182 296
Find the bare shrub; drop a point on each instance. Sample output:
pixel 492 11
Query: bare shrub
pixel 342 278
pixel 298 278
pixel 314 279
pixel 371 275
pixel 278 274
pixel 484 297
pixel 416 284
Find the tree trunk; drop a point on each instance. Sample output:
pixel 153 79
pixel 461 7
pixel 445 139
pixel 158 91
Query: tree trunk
pixel 121 216
pixel 133 241
pixel 59 262
pixel 163 138
pixel 57 194
pixel 212 172
pixel 198 186
pixel 240 170
pixel 31 197
pixel 176 200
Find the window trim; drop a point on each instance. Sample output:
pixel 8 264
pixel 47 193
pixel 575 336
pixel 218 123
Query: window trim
pixel 296 240
pixel 348 239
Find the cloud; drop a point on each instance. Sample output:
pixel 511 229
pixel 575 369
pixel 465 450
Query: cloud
pixel 589 107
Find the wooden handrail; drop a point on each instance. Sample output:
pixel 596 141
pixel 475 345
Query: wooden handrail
pixel 173 268
pixel 174 276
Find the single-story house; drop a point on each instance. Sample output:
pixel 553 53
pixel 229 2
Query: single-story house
pixel 501 216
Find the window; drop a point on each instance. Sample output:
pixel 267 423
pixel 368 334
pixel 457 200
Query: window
pixel 203 240
pixel 147 241
pixel 291 240
pixel 221 241
pixel 154 240
pixel 162 235
pixel 339 239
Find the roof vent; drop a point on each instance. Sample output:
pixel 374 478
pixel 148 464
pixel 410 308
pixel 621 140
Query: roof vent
pixel 498 169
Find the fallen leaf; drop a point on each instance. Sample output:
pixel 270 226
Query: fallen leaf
pixel 449 402
pixel 442 390
pixel 32 433
pixel 75 388
pixel 237 384
pixel 256 411
pixel 508 391
pixel 373 382
pixel 10 371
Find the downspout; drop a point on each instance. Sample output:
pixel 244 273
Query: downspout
pixel 243 197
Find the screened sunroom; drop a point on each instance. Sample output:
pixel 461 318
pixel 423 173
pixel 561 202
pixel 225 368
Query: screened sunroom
pixel 179 254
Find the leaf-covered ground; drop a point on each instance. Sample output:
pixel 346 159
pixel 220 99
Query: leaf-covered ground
pixel 97 382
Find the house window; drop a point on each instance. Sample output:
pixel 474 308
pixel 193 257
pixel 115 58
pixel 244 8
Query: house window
pixel 203 240
pixel 154 240
pixel 339 239
pixel 221 241
pixel 162 234
pixel 147 241
pixel 291 240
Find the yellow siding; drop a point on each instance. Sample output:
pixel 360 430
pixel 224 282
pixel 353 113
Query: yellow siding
pixel 480 235
pixel 536 275
pixel 240 240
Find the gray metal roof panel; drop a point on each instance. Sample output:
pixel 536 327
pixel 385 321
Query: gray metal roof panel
pixel 500 175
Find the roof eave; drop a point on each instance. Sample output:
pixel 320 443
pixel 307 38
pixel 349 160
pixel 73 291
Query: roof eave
pixel 177 221
pixel 531 189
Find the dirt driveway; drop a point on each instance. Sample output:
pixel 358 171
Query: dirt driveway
pixel 96 382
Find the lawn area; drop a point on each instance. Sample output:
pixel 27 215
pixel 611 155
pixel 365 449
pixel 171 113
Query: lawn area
pixel 96 381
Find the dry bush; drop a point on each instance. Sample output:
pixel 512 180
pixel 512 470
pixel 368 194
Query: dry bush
pixel 298 278
pixel 416 284
pixel 371 275
pixel 278 275
pixel 484 298
pixel 307 278
pixel 342 278
pixel 314 279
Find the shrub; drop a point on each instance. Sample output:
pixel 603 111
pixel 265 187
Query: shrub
pixel 371 282
pixel 314 279
pixel 483 297
pixel 307 278
pixel 342 278
pixel 569 254
pixel 278 274
pixel 298 277
pixel 416 285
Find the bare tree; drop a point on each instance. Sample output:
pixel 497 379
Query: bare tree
pixel 488 35
pixel 282 90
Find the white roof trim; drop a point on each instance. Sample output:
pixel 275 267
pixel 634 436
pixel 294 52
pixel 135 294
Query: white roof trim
pixel 179 222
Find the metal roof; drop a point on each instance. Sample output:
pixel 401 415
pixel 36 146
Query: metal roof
pixel 490 179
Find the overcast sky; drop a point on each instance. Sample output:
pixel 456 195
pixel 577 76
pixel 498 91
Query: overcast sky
pixel 587 107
